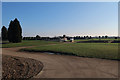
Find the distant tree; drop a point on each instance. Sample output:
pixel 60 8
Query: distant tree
pixel 84 37
pixel 4 33
pixel 99 37
pixel 90 37
pixel 24 38
pixel 106 36
pixel 102 36
pixel 87 37
pixel 115 37
pixel 64 36
pixel 15 31
pixel 37 37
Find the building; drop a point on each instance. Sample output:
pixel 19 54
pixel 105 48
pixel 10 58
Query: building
pixel 71 40
pixel 63 39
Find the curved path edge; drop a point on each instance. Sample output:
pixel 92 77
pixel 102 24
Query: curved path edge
pixel 65 66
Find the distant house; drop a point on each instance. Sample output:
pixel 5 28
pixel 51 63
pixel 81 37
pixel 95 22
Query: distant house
pixel 63 39
pixel 72 40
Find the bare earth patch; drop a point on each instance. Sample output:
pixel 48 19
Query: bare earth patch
pixel 17 67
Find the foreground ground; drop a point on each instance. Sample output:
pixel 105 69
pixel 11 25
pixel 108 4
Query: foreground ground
pixel 17 67
pixel 64 66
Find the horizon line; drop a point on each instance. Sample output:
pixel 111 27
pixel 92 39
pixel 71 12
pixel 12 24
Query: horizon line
pixel 74 36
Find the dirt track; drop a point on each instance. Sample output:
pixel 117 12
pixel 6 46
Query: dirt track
pixel 64 66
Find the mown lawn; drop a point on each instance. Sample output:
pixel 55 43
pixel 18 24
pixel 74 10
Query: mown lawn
pixel 27 43
pixel 93 50
pixel 96 39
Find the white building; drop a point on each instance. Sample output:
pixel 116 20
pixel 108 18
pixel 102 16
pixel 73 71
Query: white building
pixel 72 40
pixel 63 40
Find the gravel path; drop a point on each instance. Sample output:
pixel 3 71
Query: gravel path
pixel 64 66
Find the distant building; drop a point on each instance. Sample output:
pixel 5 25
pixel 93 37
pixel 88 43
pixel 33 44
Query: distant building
pixel 63 39
pixel 71 40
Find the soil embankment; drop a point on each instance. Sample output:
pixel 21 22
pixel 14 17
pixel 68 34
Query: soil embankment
pixel 17 67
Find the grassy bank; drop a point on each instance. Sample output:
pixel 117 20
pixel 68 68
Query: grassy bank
pixel 95 50
pixel 27 43
pixel 96 39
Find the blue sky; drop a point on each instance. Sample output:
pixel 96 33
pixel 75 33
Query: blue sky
pixel 58 18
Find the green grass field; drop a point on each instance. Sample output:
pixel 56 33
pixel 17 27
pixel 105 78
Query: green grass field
pixel 27 43
pixel 38 42
pixel 94 50
pixel 96 39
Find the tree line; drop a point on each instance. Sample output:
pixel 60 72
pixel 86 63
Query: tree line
pixel 64 36
pixel 13 33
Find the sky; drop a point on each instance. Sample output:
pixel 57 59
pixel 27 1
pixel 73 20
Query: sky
pixel 59 18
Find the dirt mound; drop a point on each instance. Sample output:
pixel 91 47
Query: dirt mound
pixel 16 67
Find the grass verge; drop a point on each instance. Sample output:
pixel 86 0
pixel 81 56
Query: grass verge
pixel 92 50
pixel 28 43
